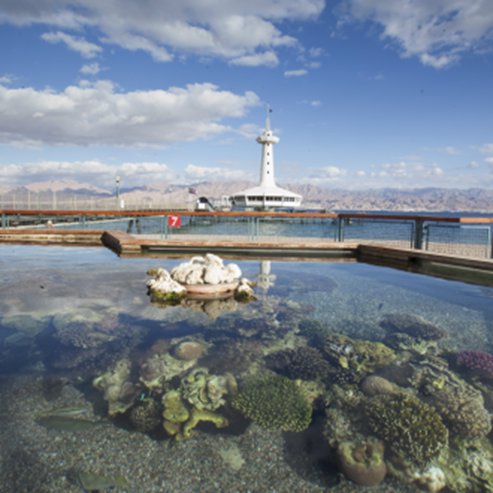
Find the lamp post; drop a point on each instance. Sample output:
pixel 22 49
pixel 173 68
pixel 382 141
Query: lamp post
pixel 117 181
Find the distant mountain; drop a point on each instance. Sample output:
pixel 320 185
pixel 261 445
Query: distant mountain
pixel 165 195
pixel 71 186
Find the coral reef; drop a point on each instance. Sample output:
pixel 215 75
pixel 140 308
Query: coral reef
pixel 412 325
pixel 119 392
pixel 206 392
pixel 145 415
pixel 476 362
pixel 274 402
pixel 189 350
pixel 179 421
pixel 359 355
pixel 374 385
pixel 161 368
pixel 363 462
pixel 459 403
pixel 412 429
pixel 302 362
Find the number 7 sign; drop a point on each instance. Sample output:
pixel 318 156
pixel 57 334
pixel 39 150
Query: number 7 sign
pixel 174 221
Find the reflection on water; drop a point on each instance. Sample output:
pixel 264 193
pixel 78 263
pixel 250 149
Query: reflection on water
pixel 338 376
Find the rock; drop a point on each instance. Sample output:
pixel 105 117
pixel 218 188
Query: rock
pixel 375 385
pixel 189 350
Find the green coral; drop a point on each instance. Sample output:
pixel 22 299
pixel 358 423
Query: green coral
pixel 275 403
pixel 359 355
pixel 412 429
pixel 179 420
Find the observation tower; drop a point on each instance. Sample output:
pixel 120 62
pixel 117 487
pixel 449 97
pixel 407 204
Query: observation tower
pixel 267 195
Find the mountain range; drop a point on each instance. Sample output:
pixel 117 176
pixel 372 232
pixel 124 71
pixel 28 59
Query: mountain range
pixel 314 196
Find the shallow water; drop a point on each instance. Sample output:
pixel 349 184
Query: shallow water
pixel 78 329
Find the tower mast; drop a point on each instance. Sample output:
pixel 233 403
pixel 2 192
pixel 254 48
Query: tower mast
pixel 267 139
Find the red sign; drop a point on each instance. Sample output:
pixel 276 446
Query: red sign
pixel 174 221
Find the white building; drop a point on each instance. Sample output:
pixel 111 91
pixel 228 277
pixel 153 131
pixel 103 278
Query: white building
pixel 267 195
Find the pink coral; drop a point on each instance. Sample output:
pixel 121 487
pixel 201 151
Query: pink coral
pixel 477 362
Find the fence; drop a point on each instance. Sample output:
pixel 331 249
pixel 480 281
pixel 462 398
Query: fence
pixel 462 236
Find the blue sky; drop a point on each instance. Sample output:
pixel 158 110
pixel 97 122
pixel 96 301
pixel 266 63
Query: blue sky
pixel 365 93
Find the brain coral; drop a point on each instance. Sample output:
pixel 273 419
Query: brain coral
pixel 275 403
pixel 412 429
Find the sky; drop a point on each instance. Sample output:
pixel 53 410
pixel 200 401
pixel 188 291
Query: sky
pixel 364 93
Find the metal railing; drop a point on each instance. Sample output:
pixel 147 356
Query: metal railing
pixel 464 236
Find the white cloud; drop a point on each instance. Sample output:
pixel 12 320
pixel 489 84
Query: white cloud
pixel 489 160
pixel 267 59
pixel 95 113
pixel 408 171
pixel 452 151
pixel 332 172
pixel 95 171
pixel 438 32
pixel 80 45
pixel 472 165
pixel 486 149
pixel 6 79
pixel 232 30
pixel 194 172
pixel 295 73
pixel 90 69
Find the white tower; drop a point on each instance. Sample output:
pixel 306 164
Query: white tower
pixel 267 195
pixel 267 139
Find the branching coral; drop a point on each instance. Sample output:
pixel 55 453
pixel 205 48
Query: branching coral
pixel 476 362
pixel 412 429
pixel 275 403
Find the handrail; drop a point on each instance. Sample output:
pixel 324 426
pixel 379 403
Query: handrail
pixel 315 215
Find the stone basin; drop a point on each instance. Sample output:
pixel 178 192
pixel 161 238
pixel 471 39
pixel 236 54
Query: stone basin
pixel 210 291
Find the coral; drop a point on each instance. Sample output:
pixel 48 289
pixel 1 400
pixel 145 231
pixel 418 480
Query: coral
pixel 197 416
pixel 189 350
pixel 118 391
pixel 374 385
pixel 204 391
pixel 145 416
pixel 363 462
pixel 275 403
pixel 81 329
pixel 462 409
pixel 174 407
pixel 412 325
pixel 476 362
pixel 412 429
pixel 179 421
pixel 359 355
pixel 303 362
pixel 459 403
pixel 160 368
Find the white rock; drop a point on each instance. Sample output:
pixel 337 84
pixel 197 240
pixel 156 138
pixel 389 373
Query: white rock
pixel 433 479
pixel 232 273
pixel 212 259
pixel 213 274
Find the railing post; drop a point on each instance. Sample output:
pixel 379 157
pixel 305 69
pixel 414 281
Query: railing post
pixel 418 234
pixel 4 220
pixel 340 229
pixel 166 226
